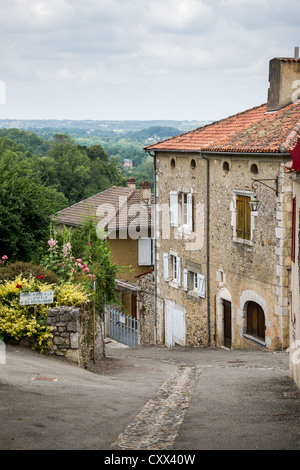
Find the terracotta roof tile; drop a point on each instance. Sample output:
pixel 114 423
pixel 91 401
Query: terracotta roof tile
pixel 254 130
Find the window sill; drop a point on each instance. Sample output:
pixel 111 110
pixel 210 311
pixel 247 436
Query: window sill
pixel 183 231
pixel 173 284
pixel 254 339
pixel 243 242
pixel 192 294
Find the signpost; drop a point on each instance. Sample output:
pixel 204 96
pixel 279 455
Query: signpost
pixel 36 298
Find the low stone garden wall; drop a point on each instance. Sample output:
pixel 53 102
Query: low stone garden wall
pixel 146 307
pixel 73 333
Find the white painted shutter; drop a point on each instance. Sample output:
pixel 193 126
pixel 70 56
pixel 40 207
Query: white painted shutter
pixel 190 211
pixel 174 208
pixel 145 251
pixel 201 285
pixel 185 279
pixel 166 267
pixel 178 273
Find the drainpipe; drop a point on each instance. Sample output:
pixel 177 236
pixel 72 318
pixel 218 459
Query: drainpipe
pixel 154 249
pixel 207 247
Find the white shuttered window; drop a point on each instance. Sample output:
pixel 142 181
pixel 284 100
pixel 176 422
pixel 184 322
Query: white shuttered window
pixel 201 285
pixel 181 209
pixel 174 208
pixel 166 267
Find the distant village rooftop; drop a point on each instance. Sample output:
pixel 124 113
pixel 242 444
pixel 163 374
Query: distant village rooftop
pixel 120 204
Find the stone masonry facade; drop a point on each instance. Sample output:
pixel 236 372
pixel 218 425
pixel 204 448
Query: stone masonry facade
pixel 241 271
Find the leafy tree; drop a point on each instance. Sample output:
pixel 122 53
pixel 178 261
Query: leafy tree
pixel 76 171
pixel 97 152
pixel 26 205
pixel 67 167
pixel 30 140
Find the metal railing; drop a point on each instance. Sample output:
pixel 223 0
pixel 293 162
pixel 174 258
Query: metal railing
pixel 122 328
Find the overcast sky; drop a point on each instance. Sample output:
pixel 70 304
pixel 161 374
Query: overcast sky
pixel 140 59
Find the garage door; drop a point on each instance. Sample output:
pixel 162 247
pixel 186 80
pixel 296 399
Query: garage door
pixel 175 326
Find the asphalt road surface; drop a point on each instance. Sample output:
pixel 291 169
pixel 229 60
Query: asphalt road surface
pixel 149 398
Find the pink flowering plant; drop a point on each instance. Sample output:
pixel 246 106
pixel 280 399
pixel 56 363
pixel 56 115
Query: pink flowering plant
pixel 60 260
pixel 81 257
pixel 3 260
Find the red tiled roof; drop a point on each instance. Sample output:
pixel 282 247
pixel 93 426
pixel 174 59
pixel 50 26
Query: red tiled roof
pixel 118 205
pixel 254 130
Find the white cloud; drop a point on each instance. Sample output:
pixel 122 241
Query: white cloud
pixel 180 16
pixel 187 59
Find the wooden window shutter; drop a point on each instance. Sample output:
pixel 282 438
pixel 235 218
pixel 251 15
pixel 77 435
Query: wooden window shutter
pixel 293 231
pixel 247 211
pixel 174 208
pixel 243 217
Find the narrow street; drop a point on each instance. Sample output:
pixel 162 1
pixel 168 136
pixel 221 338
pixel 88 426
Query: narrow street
pixel 150 398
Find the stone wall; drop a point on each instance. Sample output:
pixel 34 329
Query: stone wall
pixel 146 308
pixel 73 333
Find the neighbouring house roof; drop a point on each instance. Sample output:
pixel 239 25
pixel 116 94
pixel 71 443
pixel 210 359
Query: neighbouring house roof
pixel 254 130
pixel 121 207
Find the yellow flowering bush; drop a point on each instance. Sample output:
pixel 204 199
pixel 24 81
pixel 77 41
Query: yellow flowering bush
pixel 69 294
pixel 19 321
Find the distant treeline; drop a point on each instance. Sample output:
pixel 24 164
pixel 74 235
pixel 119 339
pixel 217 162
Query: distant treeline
pixel 75 171
pixel 87 157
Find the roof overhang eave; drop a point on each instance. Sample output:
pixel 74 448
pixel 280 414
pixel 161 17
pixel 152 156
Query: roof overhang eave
pixel 220 152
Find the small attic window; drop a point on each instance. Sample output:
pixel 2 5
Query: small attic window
pixel 193 164
pixel 173 163
pixel 254 169
pixel 226 167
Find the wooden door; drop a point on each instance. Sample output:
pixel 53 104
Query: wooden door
pixel 227 323
pixel 255 320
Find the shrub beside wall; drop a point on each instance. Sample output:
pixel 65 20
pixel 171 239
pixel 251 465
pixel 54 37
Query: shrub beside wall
pixel 64 328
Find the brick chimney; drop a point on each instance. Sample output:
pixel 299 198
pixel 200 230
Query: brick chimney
pixel 283 75
pixel 145 189
pixel 131 183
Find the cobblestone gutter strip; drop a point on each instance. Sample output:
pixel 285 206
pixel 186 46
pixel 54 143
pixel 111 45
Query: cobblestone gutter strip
pixel 157 425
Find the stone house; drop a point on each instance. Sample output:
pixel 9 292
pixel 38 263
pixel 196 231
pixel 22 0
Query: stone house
pixel 222 270
pixel 125 213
